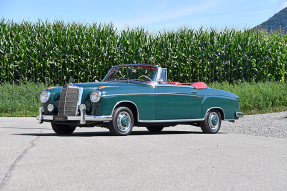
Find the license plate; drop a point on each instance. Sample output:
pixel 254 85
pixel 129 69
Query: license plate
pixel 59 118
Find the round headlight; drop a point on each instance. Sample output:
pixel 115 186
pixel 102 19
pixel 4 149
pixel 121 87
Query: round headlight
pixel 44 97
pixel 95 96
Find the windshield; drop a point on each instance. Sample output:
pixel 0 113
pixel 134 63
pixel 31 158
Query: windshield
pixel 132 73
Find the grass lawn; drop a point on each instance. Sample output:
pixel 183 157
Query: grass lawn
pixel 255 98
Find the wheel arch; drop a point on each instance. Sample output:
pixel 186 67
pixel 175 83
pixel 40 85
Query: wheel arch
pixel 219 109
pixel 129 104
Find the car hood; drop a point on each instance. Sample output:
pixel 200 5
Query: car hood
pixel 111 88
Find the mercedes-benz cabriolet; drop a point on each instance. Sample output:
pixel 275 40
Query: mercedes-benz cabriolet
pixel 136 95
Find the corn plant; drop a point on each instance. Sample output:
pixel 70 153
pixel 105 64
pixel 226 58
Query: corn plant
pixel 51 53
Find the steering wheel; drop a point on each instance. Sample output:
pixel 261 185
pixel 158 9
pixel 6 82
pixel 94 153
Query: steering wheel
pixel 145 77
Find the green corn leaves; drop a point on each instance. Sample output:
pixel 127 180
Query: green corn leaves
pixel 51 53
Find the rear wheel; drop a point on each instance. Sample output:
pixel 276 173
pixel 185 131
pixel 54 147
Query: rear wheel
pixel 122 122
pixel 154 129
pixel 62 129
pixel 211 123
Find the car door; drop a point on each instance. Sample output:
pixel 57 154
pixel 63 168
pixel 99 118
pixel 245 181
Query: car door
pixel 176 102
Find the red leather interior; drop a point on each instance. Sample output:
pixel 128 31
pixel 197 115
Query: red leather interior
pixel 196 85
pixel 175 83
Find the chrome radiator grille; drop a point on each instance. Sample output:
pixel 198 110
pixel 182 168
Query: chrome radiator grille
pixel 69 101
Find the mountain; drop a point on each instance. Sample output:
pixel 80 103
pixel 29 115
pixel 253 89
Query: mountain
pixel 276 23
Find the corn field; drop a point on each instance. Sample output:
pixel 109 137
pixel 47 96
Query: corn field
pixel 51 53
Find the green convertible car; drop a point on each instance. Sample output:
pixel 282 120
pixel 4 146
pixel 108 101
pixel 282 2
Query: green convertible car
pixel 136 94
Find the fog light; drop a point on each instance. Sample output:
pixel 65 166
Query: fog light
pixel 50 107
pixel 82 106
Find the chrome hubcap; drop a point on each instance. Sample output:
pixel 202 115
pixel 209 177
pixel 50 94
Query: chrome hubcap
pixel 213 121
pixel 124 121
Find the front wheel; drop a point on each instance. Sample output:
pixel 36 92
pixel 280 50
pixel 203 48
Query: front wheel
pixel 122 122
pixel 62 129
pixel 211 123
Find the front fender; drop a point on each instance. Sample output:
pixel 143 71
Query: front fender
pixel 228 105
pixel 54 97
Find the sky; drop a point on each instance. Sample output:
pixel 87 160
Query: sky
pixel 152 15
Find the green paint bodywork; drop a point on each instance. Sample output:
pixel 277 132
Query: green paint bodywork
pixel 153 101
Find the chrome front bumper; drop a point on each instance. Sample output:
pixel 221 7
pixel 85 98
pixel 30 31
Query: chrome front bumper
pixel 82 118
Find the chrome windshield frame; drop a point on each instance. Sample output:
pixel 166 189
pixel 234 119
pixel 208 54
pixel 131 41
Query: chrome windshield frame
pixel 135 65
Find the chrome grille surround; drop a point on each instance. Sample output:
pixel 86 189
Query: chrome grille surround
pixel 70 100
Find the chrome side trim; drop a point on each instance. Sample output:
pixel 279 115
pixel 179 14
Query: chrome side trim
pixel 128 94
pixel 151 94
pixel 207 96
pixel 191 95
pixel 171 120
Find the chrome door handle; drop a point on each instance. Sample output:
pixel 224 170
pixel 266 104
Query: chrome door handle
pixel 194 92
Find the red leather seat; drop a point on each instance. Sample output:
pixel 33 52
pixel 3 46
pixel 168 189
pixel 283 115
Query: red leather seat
pixel 175 83
pixel 196 85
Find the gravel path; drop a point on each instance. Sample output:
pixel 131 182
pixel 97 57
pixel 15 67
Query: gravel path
pixel 267 125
